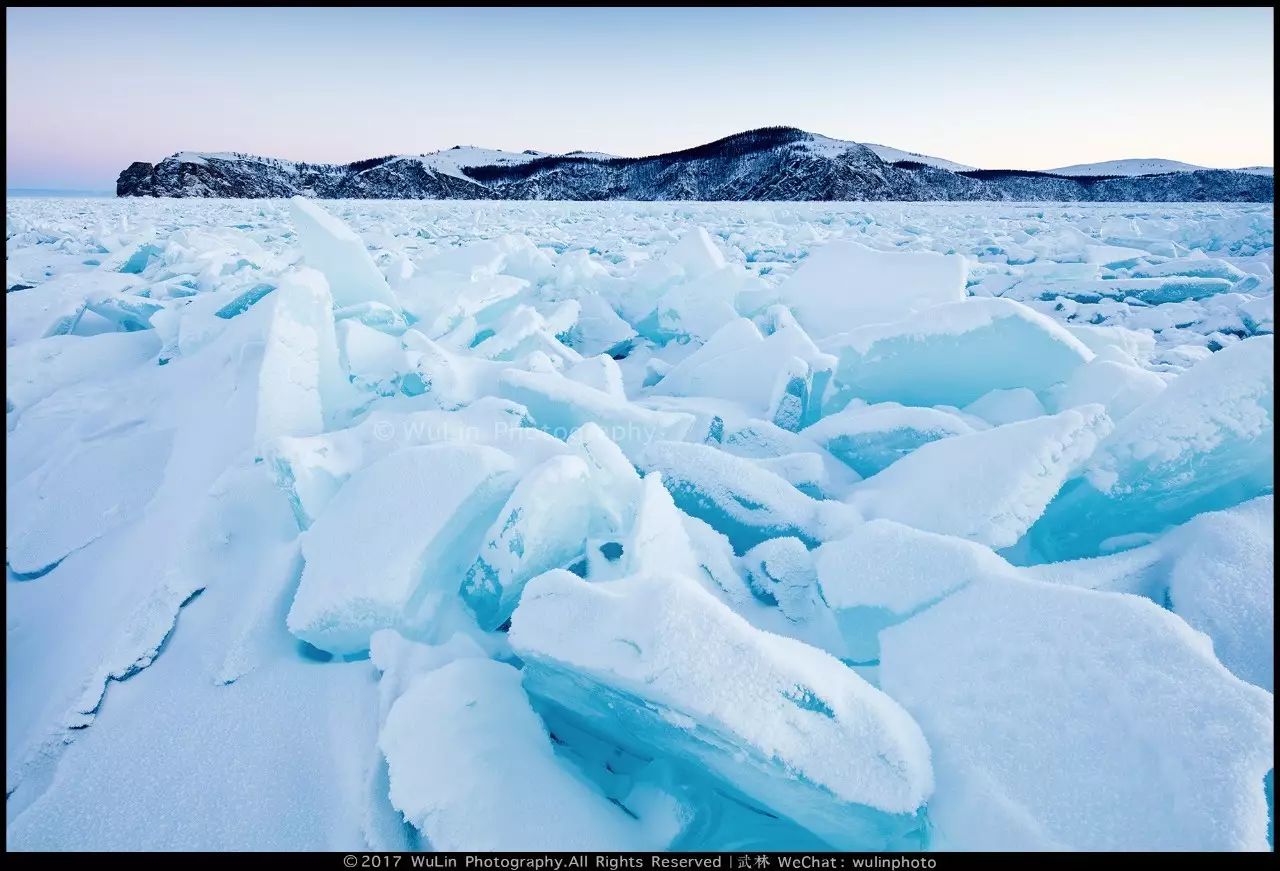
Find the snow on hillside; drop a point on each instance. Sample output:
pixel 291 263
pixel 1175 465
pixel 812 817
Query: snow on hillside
pixel 1143 166
pixel 386 526
pixel 452 161
pixel 893 155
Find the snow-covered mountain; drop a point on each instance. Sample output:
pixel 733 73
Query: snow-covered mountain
pixel 772 163
pixel 894 155
pixel 1143 166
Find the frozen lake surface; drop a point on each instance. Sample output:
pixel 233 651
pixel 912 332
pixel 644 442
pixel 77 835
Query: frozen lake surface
pixel 638 526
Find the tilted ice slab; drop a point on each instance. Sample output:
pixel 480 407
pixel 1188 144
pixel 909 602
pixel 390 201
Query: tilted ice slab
pixel 747 503
pixel 472 767
pixel 657 663
pixel 1216 572
pixel 1064 719
pixel 559 405
pixel 302 388
pixel 952 354
pixel 988 486
pixel 544 525
pixel 330 246
pixel 442 300
pixel 396 525
pixel 870 438
pixel 311 469
pixel 1202 444
pixel 739 363
pixel 843 285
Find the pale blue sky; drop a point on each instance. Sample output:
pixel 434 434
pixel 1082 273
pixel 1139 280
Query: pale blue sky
pixel 89 91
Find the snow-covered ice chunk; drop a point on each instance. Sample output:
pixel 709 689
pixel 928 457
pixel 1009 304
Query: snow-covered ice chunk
pixel 883 572
pixel 615 482
pixel 868 438
pixel 377 315
pixel 559 405
pixel 739 363
pixel 525 330
pixel 599 330
pixel 1007 406
pixel 1202 444
pixel 472 768
pixel 1215 571
pixel 1259 315
pixel 441 300
pixel 781 571
pixel 373 359
pixel 330 246
pixel 302 389
pixel 544 525
pixel 1115 342
pixel 1118 387
pixel 310 470
pixel 696 254
pixel 952 354
pixel 737 497
pixel 600 372
pixel 400 661
pixel 843 285
pixel 657 663
pixel 1222 582
pixel 124 311
pixel 989 486
pixel 397 525
pixel 1065 719
pixel 805 471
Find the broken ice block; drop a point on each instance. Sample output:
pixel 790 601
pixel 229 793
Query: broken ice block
pixel 1202 444
pixel 883 572
pixel 747 503
pixel 404 522
pixel 472 768
pixel 330 246
pixel 1066 719
pixel 989 486
pixel 843 285
pixel 869 438
pixel 559 405
pixel 952 354
pixel 658 664
pixel 544 525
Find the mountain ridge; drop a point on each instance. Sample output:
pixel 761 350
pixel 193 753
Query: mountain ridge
pixel 769 163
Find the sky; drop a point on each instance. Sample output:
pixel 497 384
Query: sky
pixel 89 91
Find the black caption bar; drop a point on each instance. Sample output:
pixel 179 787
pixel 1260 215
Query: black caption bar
pixel 754 861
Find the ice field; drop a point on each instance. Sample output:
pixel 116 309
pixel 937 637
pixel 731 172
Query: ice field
pixel 500 526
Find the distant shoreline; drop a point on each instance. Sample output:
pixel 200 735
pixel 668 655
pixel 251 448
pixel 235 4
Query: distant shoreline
pixel 55 192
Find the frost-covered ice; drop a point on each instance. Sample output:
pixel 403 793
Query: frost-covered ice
pixel 497 526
